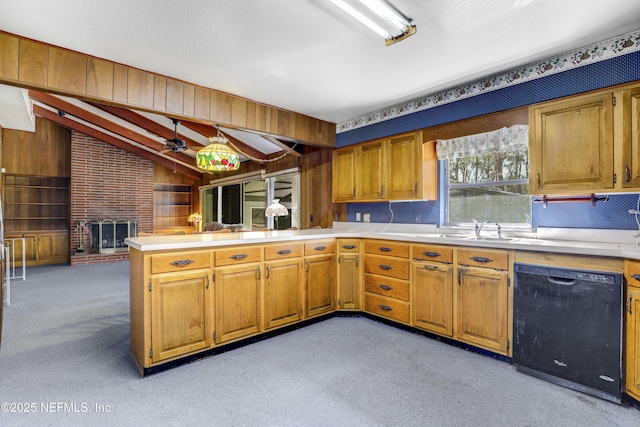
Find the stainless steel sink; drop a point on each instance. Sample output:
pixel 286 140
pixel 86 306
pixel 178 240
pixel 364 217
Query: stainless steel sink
pixel 491 238
pixel 454 236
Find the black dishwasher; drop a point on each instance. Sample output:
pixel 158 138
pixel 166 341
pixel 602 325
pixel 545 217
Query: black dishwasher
pixel 568 328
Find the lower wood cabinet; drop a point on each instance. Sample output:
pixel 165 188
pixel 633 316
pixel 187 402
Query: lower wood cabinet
pixel 349 274
pixel 632 350
pixel 632 328
pixel 388 307
pixel 432 297
pixel 482 308
pixel 283 292
pixel 180 314
pixel 238 301
pixel 386 279
pixel 320 287
pixel 41 248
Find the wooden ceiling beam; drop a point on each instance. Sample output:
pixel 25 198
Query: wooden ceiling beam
pixel 68 108
pixel 109 139
pixel 149 125
pixel 208 131
pixel 282 145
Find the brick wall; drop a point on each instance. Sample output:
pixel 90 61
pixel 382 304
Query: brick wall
pixel 107 183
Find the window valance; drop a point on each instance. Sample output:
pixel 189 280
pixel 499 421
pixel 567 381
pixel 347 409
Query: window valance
pixel 512 138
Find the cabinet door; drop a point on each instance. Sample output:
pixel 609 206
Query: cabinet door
pixel 631 137
pixel 349 281
pixel 370 171
pixel 344 175
pixel 53 248
pixel 571 145
pixel 432 298
pixel 403 167
pixel 238 301
pixel 283 292
pixel 179 314
pixel 482 308
pixel 320 284
pixel 632 350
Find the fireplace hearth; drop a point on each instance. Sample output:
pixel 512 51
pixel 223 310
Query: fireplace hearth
pixel 107 235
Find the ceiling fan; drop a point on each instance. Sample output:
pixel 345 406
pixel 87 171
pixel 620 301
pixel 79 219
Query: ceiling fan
pixel 176 144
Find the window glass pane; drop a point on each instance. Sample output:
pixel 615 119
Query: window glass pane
pixel 508 204
pixel 492 186
pixel 490 167
pixel 255 203
pixel 283 191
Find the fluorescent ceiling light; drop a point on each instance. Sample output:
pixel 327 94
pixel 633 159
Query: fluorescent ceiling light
pixel 380 17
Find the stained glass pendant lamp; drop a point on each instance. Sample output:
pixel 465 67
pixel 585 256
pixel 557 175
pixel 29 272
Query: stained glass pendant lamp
pixel 217 156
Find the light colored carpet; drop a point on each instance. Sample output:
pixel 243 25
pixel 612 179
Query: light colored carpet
pixel 66 349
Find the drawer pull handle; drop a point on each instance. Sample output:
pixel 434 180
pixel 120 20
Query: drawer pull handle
pixel 383 249
pixel 431 254
pixel 349 246
pixel 182 262
pixel 481 259
pixel 385 287
pixel 320 248
pixel 284 252
pixel 385 307
pixel 385 267
pixel 238 257
pixel 636 276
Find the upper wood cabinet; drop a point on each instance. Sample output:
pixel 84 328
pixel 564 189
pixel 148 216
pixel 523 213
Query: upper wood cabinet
pixel 630 136
pixel 344 174
pixel 398 168
pixel 586 144
pixel 571 145
pixel 371 172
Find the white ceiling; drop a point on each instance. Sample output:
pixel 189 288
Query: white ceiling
pixel 309 57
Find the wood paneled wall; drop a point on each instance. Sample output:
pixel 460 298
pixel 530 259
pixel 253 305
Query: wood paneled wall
pixel 45 152
pixel 35 65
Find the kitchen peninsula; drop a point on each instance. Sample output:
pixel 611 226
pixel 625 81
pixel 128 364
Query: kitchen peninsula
pixel 197 295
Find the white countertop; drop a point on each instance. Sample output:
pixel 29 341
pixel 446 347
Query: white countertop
pixel 624 246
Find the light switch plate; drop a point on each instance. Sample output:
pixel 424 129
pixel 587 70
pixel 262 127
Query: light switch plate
pixel 357 216
pixel 367 217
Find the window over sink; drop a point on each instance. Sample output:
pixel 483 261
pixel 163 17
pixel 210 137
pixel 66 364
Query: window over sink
pixel 488 177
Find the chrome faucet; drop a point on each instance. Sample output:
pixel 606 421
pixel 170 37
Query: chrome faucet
pixel 479 226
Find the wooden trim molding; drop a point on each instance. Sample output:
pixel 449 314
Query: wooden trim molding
pixel 43 67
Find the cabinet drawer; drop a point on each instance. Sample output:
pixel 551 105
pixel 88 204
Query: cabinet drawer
pixel 489 258
pixel 320 247
pixel 434 253
pixel 386 286
pixel 290 250
pixel 168 263
pixel 349 245
pixel 387 266
pixel 383 247
pixel 238 255
pixel 387 307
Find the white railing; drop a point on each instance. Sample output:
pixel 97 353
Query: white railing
pixel 10 265
pixel 11 258
pixel 7 278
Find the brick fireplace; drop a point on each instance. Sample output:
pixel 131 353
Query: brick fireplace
pixel 107 183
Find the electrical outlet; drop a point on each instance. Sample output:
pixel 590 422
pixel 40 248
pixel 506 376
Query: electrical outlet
pixel 357 216
pixel 367 217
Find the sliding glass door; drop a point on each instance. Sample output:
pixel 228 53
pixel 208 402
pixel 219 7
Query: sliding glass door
pixel 245 202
